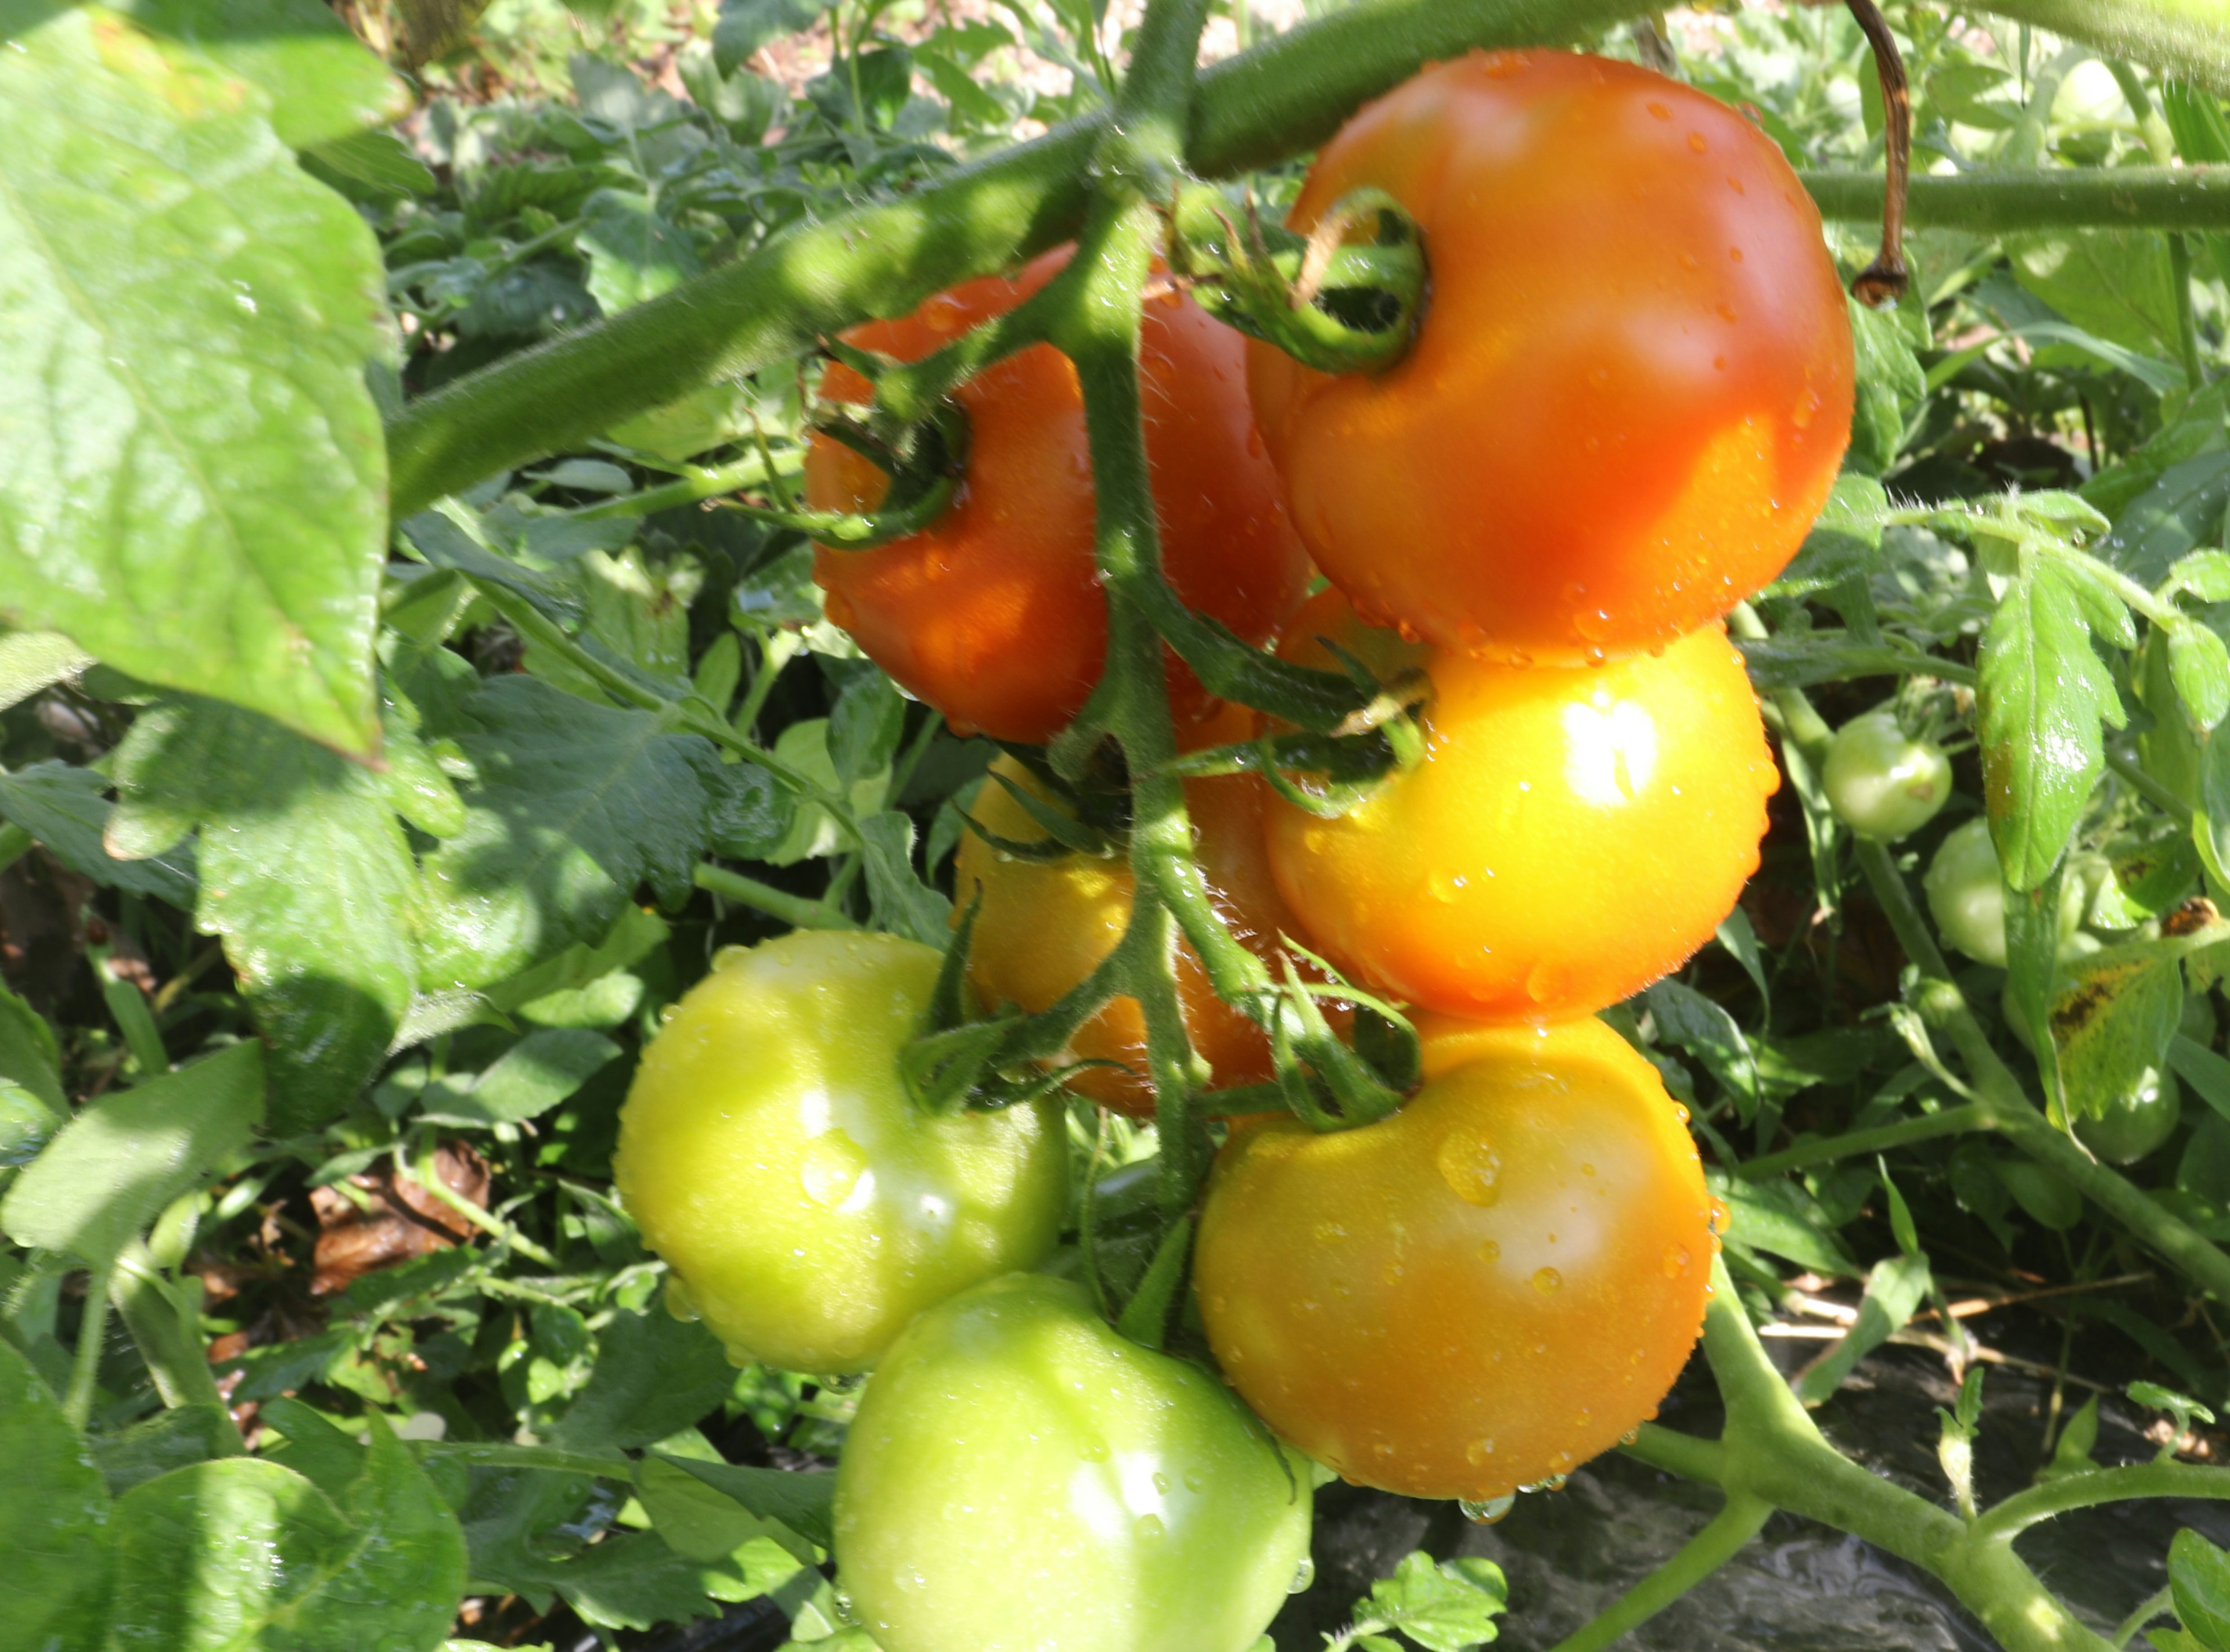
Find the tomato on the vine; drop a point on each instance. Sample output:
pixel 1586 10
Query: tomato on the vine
pixel 1043 925
pixel 2134 1125
pixel 1570 834
pixel 1478 1293
pixel 770 1153
pixel 1632 385
pixel 1883 782
pixel 1020 1477
pixel 1967 895
pixel 994 613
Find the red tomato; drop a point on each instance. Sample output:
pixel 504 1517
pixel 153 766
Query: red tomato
pixel 1632 386
pixel 1571 834
pixel 1478 1293
pixel 993 615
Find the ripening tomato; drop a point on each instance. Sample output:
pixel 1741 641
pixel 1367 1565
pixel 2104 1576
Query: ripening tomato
pixel 994 613
pixel 1881 781
pixel 1020 1478
pixel 1478 1293
pixel 1571 834
pixel 770 1153
pixel 1967 895
pixel 1044 925
pixel 1632 386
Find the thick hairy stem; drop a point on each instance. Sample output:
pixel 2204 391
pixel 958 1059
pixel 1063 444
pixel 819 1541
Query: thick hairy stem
pixel 2055 1497
pixel 2186 38
pixel 2136 197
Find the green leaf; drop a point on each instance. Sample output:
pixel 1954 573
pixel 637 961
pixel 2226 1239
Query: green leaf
pixel 53 1522
pixel 634 253
pixel 2033 935
pixel 374 167
pixel 1685 1018
pixel 576 805
pixel 2071 1456
pixel 864 727
pixel 2115 284
pixel 29 1055
pixel 209 514
pixel 2199 1581
pixel 1779 1217
pixel 805 1503
pixel 526 1081
pixel 702 1523
pixel 903 903
pixel 2043 694
pixel 2179 514
pixel 2113 1025
pixel 322 82
pixel 169 1439
pixel 242 1552
pixel 31 661
pixel 313 1448
pixel 752 812
pixel 2198 665
pixel 1446 1607
pixel 1890 384
pixel 654 1376
pixel 746 25
pixel 126 1156
pixel 65 808
pixel 1895 1288
pixel 305 874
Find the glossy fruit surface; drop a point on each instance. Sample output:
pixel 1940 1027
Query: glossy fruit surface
pixel 994 613
pixel 1571 834
pixel 770 1153
pixel 1967 897
pixel 1632 386
pixel 1044 926
pixel 1020 1478
pixel 1478 1293
pixel 2134 1125
pixel 1881 781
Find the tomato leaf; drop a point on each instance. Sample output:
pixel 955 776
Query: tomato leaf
pixel 169 1439
pixel 2199 1582
pixel 2200 666
pixel 208 513
pixel 323 83
pixel 634 252
pixel 576 805
pixel 2179 514
pixel 2114 1023
pixel 903 903
pixel 1779 1217
pixel 124 1157
pixel 65 809
pixel 654 1375
pixel 53 1522
pixel 2042 695
pixel 305 874
pixel 1895 1288
pixel 228 1552
pixel 1446 1607
pixel 805 1503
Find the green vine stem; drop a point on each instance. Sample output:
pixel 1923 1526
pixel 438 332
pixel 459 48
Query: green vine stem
pixel 2089 1489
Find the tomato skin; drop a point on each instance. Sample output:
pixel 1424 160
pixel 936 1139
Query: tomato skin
pixel 994 613
pixel 1632 386
pixel 1481 1292
pixel 2135 1125
pixel 1044 926
pixel 1020 1477
pixel 770 1153
pixel 1967 897
pixel 1881 783
pixel 1571 834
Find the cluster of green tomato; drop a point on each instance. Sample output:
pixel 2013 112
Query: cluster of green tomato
pixel 1539 515
pixel 1886 780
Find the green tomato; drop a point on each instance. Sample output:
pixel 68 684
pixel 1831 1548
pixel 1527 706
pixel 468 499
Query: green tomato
pixel 2136 1124
pixel 1882 783
pixel 1020 1478
pixel 770 1153
pixel 1967 897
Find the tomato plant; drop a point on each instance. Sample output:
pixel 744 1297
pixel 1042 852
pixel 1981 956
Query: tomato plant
pixel 1478 1293
pixel 1131 1500
pixel 770 1153
pixel 1967 895
pixel 1567 836
pixel 994 613
pixel 1627 280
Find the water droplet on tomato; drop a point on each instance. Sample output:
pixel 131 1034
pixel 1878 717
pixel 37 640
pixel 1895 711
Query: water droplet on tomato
pixel 1304 1575
pixel 1149 1529
pixel 1487 1511
pixel 1547 1281
pixel 1695 142
pixel 1471 1167
pixel 1489 1252
pixel 1478 1451
pixel 830 1168
pixel 1720 1218
pixel 1676 1261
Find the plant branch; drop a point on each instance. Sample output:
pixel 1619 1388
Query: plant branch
pixel 2093 1487
pixel 1951 1120
pixel 799 911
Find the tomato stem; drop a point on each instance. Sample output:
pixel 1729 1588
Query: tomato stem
pixel 1884 281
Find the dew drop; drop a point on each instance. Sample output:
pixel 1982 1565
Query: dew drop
pixel 1676 1261
pixel 1093 1451
pixel 677 1299
pixel 1720 1220
pixel 830 1168
pixel 1304 1575
pixel 1477 1452
pixel 1471 1167
pixel 1489 1251
pixel 1149 1528
pixel 1547 1281
pixel 1488 1511
pixel 1695 142
pixel 1659 110
pixel 666 1016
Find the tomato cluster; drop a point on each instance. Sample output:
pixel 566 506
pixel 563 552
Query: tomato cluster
pixel 1626 399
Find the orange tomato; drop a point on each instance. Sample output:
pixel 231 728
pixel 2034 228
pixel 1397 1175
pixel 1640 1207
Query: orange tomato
pixel 1478 1293
pixel 1571 834
pixel 994 613
pixel 1632 386
pixel 1044 925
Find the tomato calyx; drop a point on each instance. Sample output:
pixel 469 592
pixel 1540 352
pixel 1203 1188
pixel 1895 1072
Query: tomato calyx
pixel 925 463
pixel 1346 298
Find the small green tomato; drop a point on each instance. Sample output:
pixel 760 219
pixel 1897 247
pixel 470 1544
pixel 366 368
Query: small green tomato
pixel 1967 897
pixel 1881 783
pixel 2136 1124
pixel 1021 1478
pixel 770 1153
